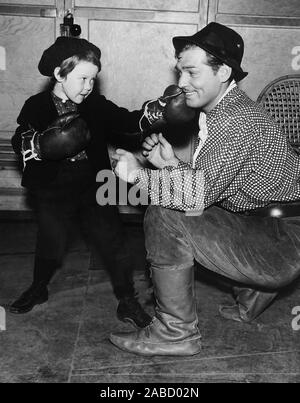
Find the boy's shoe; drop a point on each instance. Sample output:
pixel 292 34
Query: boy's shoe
pixel 130 310
pixel 35 295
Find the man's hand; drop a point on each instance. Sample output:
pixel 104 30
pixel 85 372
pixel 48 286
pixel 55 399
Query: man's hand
pixel 126 165
pixel 159 151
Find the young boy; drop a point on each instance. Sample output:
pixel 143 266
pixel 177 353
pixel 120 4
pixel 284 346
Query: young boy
pixel 65 187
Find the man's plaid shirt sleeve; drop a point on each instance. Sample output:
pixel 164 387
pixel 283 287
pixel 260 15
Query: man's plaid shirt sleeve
pixel 180 188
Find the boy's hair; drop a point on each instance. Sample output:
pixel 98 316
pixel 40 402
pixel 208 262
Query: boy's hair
pixel 69 64
pixel 214 62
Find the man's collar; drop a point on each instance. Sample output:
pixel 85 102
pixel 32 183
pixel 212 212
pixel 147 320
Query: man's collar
pixel 231 86
pixel 228 94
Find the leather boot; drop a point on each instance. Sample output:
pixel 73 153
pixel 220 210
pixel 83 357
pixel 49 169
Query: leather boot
pixel 37 293
pixel 174 329
pixel 249 305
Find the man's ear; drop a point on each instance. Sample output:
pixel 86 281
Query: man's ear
pixel 57 75
pixel 224 73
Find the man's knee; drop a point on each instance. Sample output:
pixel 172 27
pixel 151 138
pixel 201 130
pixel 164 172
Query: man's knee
pixel 160 224
pixel 166 242
pixel 159 215
pixel 153 214
pixel 153 227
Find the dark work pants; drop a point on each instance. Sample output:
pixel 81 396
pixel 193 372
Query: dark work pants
pixel 73 193
pixel 262 253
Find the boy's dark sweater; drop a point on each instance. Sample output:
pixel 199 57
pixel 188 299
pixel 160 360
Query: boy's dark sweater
pixel 106 122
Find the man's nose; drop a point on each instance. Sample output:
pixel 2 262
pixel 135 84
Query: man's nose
pixel 182 81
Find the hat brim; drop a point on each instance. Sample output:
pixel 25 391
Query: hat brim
pixel 239 72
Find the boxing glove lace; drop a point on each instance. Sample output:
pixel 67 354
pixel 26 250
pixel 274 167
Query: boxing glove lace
pixel 170 109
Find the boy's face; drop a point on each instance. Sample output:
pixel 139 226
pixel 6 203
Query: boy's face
pixel 201 85
pixel 79 83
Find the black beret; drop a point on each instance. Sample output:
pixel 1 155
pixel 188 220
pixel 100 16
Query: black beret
pixel 63 48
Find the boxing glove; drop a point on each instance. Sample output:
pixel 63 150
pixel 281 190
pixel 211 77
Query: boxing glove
pixel 67 136
pixel 168 110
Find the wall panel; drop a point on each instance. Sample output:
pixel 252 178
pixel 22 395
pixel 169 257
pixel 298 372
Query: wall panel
pixel 19 76
pixel 287 8
pixel 30 2
pixel 137 58
pixel 163 5
pixel 135 38
pixel 26 28
pixel 265 59
pixel 136 42
pixel 270 29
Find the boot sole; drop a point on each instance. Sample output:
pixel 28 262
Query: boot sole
pixel 178 354
pixel 156 354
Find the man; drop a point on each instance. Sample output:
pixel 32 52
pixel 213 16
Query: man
pixel 214 209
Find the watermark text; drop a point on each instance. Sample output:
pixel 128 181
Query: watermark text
pixel 296 320
pixel 2 319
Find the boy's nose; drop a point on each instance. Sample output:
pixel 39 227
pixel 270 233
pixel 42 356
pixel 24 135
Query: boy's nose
pixel 88 86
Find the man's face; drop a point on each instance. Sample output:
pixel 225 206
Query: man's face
pixel 79 83
pixel 201 85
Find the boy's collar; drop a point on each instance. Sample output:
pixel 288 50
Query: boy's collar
pixel 58 99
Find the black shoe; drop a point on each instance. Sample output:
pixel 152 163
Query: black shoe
pixel 130 310
pixel 36 294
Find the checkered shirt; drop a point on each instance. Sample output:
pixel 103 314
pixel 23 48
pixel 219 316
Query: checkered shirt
pixel 245 163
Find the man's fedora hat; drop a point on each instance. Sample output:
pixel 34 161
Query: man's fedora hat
pixel 220 41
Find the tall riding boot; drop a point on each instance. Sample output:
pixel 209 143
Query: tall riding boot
pixel 37 293
pixel 174 329
pixel 249 305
